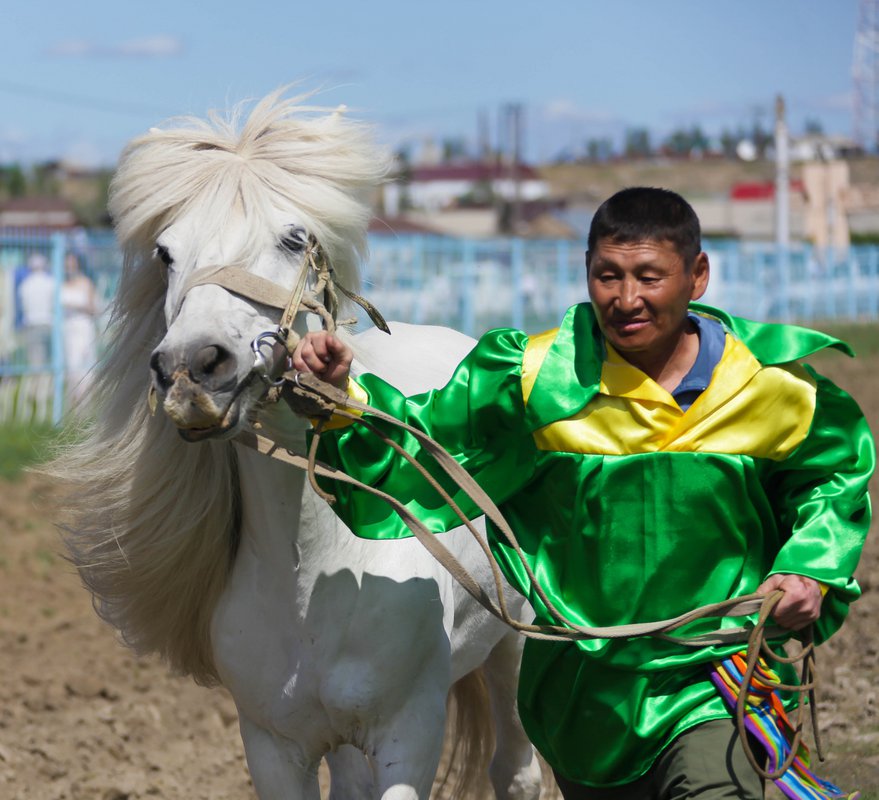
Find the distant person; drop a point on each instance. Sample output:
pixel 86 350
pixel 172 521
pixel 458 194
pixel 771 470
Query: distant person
pixel 652 456
pixel 36 299
pixel 80 307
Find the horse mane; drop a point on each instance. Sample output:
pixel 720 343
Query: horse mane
pixel 154 521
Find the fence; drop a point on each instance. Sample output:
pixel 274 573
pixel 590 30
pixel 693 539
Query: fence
pixel 474 285
pixel 35 384
pixel 471 285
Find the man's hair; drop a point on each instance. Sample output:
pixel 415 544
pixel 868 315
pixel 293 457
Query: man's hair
pixel 643 213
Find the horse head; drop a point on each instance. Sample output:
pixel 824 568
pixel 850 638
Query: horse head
pixel 204 370
pixel 255 197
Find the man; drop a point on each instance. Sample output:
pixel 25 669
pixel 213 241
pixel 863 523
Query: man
pixel 652 456
pixel 36 299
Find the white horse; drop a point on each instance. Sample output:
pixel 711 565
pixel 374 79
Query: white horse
pixel 224 561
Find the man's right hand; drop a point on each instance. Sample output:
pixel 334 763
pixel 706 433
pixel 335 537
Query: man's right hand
pixel 326 356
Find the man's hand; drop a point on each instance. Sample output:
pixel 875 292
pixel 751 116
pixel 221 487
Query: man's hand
pixel 326 356
pixel 801 603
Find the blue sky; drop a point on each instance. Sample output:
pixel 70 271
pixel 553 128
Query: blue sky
pixel 77 80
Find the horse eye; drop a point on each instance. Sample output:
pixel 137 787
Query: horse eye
pixel 294 241
pixel 164 255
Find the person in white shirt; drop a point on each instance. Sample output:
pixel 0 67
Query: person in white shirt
pixel 36 297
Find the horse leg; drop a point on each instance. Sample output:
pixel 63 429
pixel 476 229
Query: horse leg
pixel 278 767
pixel 514 770
pixel 351 776
pixel 406 754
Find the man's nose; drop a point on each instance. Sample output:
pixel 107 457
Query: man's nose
pixel 629 296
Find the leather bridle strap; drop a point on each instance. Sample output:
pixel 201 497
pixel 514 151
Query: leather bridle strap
pixel 238 281
pixel 260 290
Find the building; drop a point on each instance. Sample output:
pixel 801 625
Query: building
pixel 443 186
pixel 54 213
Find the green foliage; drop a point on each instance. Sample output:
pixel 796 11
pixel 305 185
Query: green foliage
pixel 686 141
pixel 637 143
pixel 871 237
pixel 22 446
pixel 13 181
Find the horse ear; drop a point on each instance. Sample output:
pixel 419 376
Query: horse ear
pixel 340 109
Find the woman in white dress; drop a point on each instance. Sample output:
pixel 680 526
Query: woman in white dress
pixel 79 301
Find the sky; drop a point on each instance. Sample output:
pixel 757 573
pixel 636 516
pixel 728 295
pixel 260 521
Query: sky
pixel 78 80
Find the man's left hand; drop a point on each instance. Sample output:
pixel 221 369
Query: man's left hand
pixel 801 603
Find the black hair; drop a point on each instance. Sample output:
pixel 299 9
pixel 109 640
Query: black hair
pixel 642 213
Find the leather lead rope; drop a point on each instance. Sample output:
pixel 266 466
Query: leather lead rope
pixel 308 395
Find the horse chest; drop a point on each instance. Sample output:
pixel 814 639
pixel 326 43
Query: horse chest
pixel 332 646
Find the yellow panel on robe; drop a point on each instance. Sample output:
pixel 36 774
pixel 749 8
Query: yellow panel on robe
pixel 748 409
pixel 355 392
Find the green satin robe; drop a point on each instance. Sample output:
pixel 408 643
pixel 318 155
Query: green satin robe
pixel 622 526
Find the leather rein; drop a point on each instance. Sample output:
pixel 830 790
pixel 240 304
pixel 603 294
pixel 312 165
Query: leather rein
pixel 309 396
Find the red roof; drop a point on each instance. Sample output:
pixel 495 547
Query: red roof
pixel 471 172
pixel 759 190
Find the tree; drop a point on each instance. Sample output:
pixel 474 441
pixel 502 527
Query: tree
pixel 599 149
pixel 637 143
pixel 45 180
pixel 454 149
pixel 686 141
pixel 15 180
pixel 729 140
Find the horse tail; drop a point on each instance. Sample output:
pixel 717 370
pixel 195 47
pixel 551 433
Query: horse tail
pixel 470 740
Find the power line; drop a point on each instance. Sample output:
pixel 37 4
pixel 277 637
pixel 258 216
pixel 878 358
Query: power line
pixel 80 101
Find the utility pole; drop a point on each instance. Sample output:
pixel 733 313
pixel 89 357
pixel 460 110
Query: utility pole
pixel 782 211
pixel 513 117
pixel 483 138
pixel 782 178
pixel 865 74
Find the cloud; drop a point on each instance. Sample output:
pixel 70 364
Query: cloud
pixel 159 46
pixel 564 109
pixel 841 101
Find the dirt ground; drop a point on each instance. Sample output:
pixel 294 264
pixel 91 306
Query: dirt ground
pixel 83 719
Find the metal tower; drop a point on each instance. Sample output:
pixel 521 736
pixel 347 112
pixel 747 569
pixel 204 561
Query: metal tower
pixel 865 72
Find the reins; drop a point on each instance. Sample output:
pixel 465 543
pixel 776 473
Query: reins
pixel 309 396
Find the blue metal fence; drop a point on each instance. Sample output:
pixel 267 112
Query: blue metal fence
pixel 476 285
pixel 33 383
pixel 468 284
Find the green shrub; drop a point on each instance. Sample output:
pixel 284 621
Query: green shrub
pixel 22 446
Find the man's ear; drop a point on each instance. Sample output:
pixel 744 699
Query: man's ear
pixel 700 274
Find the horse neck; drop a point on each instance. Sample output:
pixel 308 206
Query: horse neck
pixel 282 518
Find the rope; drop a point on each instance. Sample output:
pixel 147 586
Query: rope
pixel 310 396
pixel 808 681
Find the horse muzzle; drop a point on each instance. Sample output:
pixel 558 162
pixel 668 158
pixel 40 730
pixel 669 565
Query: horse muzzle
pixel 199 394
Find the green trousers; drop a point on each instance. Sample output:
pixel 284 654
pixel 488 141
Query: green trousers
pixel 706 762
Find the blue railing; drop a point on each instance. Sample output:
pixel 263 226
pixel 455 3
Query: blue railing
pixel 468 284
pixel 474 285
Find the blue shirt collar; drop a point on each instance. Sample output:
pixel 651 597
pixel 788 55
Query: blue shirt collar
pixel 712 340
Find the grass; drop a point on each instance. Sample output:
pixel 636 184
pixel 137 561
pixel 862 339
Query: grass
pixel 22 446
pixel 863 337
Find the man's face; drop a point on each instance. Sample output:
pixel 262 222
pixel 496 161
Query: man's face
pixel 640 291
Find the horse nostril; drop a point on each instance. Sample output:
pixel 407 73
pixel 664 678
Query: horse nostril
pixel 212 361
pixel 158 367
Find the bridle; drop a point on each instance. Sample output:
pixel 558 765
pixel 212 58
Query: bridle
pixel 271 348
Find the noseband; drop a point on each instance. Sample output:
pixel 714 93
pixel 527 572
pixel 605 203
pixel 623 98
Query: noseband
pixel 271 349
